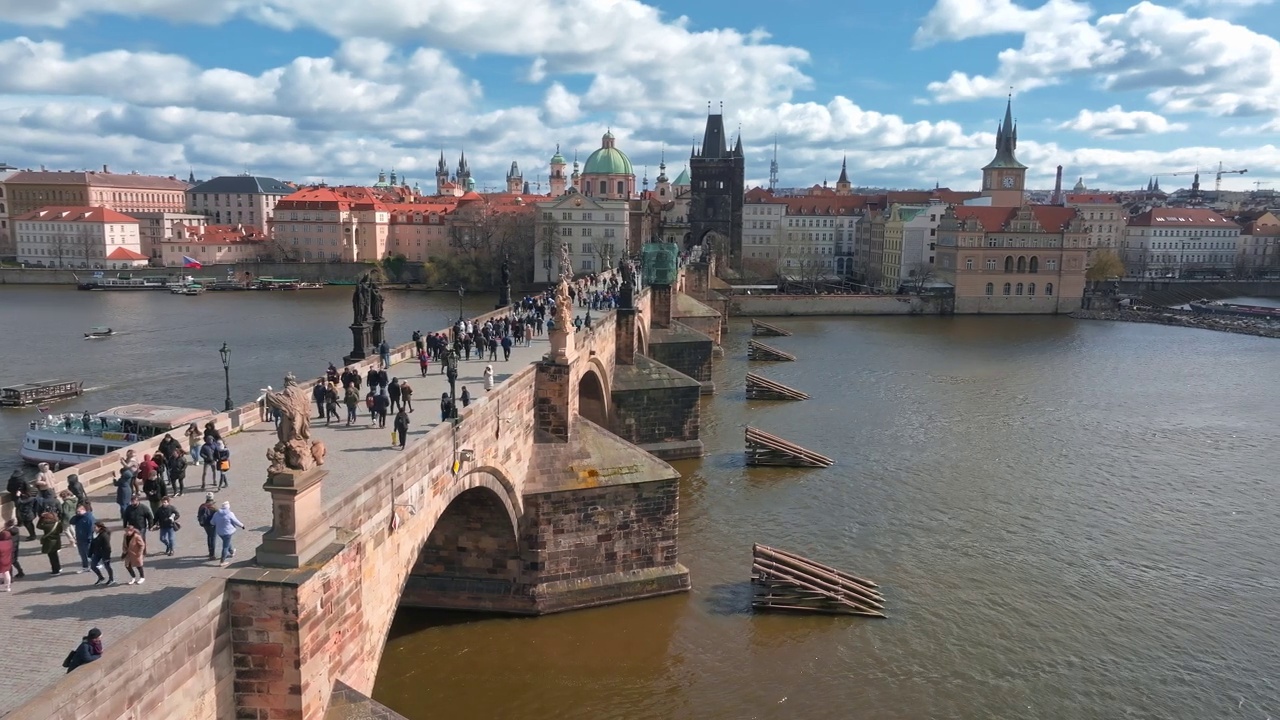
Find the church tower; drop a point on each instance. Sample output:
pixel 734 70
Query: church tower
pixel 843 186
pixel 557 178
pixel 515 182
pixel 1004 178
pixel 663 185
pixel 442 175
pixel 464 172
pixel 718 178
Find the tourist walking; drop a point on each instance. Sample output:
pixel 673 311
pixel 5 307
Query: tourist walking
pixel 204 517
pixel 89 649
pixel 506 347
pixel 225 524
pixel 393 393
pixel 380 404
pixel 384 353
pixel 15 536
pixel 24 507
pixel 135 550
pixel 46 476
pixel 446 407
pixel 51 541
pixel 223 455
pixel 195 439
pixel 424 361
pixel 83 522
pixel 77 488
pixel 331 404
pixel 317 394
pixel 155 491
pixel 406 395
pixel 139 517
pixel 100 554
pixel 351 398
pixel 66 512
pixel 167 520
pixel 209 463
pixel 6 560
pixel 124 491
pixel 465 397
pixel 402 427
pixel 488 378
pixel 177 471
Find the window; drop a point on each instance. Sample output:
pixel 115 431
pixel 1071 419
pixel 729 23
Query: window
pixel 968 263
pixel 1031 288
pixel 991 265
pixel 1022 263
pixel 1034 267
pixel 1048 288
pixel 567 231
pixel 622 187
pixel 604 188
pixel 1051 265
pixel 1008 266
pixel 1007 287
pixel 566 216
pixel 1018 289
pixel 991 289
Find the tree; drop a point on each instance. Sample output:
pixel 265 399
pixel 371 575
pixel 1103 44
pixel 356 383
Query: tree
pixel 1106 264
pixel 919 277
pixel 393 266
pixel 61 247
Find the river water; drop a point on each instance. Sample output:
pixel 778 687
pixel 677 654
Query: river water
pixel 1069 519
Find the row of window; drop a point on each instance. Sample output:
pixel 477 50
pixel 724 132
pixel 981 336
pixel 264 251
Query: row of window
pixel 1017 289
pixel 1021 265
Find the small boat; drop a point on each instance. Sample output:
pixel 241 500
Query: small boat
pixel 187 290
pixel 39 392
pixel 99 332
pixel 1213 307
pixel 69 438
pixel 310 286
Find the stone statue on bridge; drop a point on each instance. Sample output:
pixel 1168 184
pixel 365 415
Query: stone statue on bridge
pixel 375 301
pixel 294 448
pixel 564 303
pixel 360 301
pixel 627 290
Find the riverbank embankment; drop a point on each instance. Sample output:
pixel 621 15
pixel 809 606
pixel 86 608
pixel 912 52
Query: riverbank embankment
pixel 1186 318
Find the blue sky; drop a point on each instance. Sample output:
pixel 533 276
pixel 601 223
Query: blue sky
pixel 910 92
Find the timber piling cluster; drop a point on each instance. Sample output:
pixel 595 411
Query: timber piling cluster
pixel 763 448
pixel 785 581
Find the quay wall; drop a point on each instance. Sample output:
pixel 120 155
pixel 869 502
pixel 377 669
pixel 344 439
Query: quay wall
pixel 36 276
pixel 1186 318
pixel 792 305
pixel 177 664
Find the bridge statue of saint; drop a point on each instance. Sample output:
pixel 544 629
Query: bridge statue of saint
pixel 294 449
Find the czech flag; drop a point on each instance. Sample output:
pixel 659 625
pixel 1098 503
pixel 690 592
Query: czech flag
pixel 190 262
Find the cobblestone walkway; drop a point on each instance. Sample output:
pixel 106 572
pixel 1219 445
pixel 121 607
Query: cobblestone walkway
pixel 45 616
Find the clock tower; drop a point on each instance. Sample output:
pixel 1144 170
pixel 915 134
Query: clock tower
pixel 1004 178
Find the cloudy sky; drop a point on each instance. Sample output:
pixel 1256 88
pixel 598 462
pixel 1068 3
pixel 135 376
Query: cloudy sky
pixel 909 91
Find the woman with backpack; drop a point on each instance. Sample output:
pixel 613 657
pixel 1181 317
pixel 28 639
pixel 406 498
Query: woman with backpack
pixel 223 455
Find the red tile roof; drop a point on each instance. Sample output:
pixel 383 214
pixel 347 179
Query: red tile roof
pixel 76 213
pixel 1092 199
pixel 128 181
pixel 1053 218
pixel 122 253
pixel 990 219
pixel 1182 217
pixel 222 234
pixel 332 198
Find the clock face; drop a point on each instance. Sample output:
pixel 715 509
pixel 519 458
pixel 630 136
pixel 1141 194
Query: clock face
pixel 1007 182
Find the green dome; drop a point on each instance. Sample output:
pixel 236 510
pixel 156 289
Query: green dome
pixel 608 161
pixel 683 178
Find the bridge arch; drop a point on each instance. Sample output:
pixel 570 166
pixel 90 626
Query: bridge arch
pixel 593 393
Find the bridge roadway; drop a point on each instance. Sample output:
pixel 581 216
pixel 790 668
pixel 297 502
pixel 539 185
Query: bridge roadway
pixel 45 616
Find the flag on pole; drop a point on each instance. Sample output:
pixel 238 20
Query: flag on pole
pixel 190 262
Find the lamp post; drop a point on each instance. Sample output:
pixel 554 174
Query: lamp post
pixel 225 352
pixel 461 290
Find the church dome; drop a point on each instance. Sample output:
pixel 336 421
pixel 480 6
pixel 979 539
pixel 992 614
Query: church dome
pixel 608 160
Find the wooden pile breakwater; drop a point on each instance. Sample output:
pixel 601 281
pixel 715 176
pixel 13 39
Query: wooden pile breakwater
pixel 766 449
pixel 762 388
pixel 767 330
pixel 760 351
pixel 787 582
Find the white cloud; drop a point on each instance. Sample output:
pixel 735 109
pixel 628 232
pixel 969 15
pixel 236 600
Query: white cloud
pixel 561 105
pixel 952 20
pixel 1115 120
pixel 1183 63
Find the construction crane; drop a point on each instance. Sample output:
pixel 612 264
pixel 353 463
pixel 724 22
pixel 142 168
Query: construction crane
pixel 1217 185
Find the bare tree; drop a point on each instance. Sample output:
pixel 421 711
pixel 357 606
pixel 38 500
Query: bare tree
pixel 62 246
pixel 919 276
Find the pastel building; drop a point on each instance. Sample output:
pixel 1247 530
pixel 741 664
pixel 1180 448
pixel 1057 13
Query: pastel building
pixel 214 244
pixel 78 237
pixel 126 193
pixel 323 223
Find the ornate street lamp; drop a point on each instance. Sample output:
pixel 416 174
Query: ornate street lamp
pixel 461 290
pixel 225 352
pixel 451 372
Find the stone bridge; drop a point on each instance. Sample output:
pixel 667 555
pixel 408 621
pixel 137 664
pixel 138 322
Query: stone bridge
pixel 550 493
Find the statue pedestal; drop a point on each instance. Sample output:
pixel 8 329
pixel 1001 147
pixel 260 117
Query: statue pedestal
pixel 298 530
pixel 362 344
pixel 376 336
pixel 562 345
pixel 504 297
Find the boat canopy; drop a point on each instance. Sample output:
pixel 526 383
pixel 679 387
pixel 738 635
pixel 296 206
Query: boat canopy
pixel 156 415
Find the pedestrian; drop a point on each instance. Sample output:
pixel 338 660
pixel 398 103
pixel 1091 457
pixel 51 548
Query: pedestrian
pixel 135 550
pixel 493 348
pixel 465 397
pixel 317 394
pixel 167 520
pixel 406 395
pixel 124 490
pixel 402 426
pixel 100 554
pixel 506 347
pixel 76 488
pixel 384 352
pixel 177 471
pixel 195 439
pixel 89 649
pixel 15 536
pixel 225 524
pixel 204 517
pixel 6 560
pixel 209 463
pixel 424 361
pixel 488 378
pixel 154 489
pixel 223 453
pixel 25 512
pixel 446 407
pixel 66 511
pixel 46 476
pixel 139 517
pixel 51 541
pixel 380 405
pixel 351 398
pixel 82 521
pixel 393 394
pixel 331 404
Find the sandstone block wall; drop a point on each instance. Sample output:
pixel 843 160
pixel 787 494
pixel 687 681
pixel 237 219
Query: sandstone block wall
pixel 685 350
pixel 786 305
pixel 658 409
pixel 177 665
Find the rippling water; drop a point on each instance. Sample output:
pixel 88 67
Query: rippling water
pixel 1069 520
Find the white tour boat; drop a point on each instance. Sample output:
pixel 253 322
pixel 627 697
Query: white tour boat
pixel 67 439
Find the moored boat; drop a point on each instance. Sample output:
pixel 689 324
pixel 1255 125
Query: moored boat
pixel 39 392
pixel 193 289
pixel 99 332
pixel 1214 307
pixel 68 439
